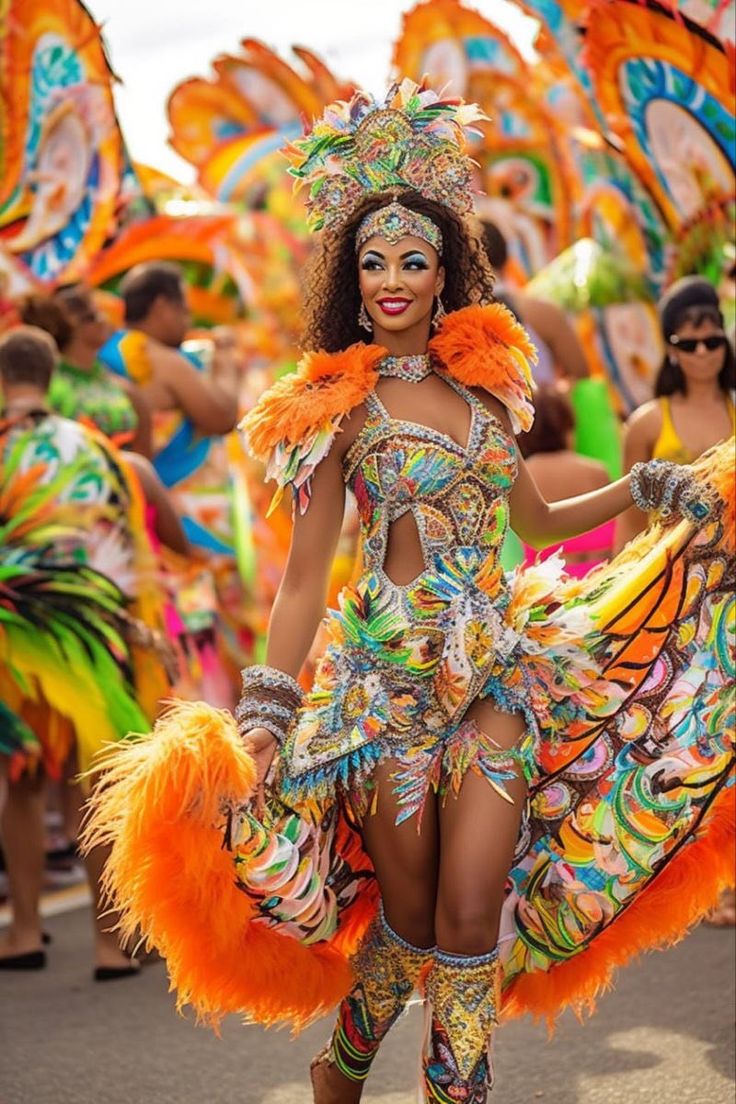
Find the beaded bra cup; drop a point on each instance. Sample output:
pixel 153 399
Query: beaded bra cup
pixel 457 493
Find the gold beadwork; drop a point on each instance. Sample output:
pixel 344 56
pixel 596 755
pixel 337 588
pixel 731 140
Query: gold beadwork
pixel 463 995
pixel 386 969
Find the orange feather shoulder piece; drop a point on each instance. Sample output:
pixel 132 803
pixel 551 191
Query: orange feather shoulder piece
pixel 293 425
pixel 486 347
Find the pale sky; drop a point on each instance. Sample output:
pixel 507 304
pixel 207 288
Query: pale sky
pixel 155 44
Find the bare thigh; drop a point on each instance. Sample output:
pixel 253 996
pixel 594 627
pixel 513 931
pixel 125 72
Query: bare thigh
pixel 405 858
pixel 478 834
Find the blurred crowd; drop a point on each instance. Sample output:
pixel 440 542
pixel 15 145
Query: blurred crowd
pixel 119 454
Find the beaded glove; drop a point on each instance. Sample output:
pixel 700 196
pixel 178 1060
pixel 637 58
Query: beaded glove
pixel 270 700
pixel 664 488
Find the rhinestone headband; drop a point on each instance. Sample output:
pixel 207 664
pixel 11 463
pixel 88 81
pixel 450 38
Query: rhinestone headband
pixel 395 222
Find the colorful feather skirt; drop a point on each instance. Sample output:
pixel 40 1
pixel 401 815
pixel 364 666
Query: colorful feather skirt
pixel 625 680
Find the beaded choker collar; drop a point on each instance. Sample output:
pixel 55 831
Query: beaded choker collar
pixel 409 368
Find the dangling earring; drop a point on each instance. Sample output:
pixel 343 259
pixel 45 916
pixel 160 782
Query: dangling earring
pixel 439 314
pixel 364 320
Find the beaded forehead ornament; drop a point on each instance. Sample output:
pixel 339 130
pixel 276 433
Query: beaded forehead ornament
pixel 395 222
pixel 414 139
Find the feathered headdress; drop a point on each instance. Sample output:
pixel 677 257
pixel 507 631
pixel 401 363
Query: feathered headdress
pixel 414 139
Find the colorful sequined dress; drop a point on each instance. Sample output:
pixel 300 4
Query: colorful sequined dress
pixel 405 661
pixel 623 679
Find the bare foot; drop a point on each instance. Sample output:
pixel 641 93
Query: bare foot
pixel 18 941
pixel 331 1087
pixel 724 914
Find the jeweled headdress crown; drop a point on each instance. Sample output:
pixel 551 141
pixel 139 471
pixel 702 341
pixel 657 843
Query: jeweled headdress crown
pixel 414 139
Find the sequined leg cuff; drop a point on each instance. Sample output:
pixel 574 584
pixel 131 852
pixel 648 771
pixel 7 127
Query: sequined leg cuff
pixel 463 997
pixel 387 969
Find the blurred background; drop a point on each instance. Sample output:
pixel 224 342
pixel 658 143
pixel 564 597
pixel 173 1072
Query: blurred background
pixel 143 134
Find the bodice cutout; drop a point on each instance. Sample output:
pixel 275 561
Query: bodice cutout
pixel 457 494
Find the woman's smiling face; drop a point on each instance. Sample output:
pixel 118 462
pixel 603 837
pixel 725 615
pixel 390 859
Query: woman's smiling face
pixel 399 283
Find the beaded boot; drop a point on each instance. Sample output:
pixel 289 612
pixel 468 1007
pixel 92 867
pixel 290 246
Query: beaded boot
pixel 387 970
pixel 462 1004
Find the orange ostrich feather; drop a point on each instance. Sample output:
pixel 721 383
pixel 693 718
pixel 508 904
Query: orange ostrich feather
pixel 325 387
pixel 479 346
pixel 486 347
pixel 159 805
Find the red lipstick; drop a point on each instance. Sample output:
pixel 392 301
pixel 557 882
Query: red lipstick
pixel 394 305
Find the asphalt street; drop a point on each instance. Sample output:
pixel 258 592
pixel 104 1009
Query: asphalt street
pixel 665 1035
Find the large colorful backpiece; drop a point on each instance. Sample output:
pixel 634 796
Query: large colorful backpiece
pixel 62 156
pixel 232 126
pixel 586 142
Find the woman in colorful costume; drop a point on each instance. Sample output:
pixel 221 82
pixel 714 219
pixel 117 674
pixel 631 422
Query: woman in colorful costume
pixel 694 404
pixel 81 654
pixel 487 772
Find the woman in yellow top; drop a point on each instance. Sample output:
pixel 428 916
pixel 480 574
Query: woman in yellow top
pixel 693 407
pixel 692 410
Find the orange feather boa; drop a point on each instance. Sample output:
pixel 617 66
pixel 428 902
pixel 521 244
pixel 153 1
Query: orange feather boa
pixel 478 346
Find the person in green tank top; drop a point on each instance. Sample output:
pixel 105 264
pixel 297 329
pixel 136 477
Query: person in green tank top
pixel 82 388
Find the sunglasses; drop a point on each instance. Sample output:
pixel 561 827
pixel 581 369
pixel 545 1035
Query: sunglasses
pixel 690 344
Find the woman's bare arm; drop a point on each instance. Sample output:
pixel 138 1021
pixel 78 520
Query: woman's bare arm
pixel 302 596
pixel 541 523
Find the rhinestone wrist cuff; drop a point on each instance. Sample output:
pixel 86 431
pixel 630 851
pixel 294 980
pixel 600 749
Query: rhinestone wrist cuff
pixel 270 700
pixel 665 488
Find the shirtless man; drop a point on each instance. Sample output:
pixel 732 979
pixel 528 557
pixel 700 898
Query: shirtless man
pixel 156 306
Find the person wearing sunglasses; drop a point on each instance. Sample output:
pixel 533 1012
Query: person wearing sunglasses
pixel 693 407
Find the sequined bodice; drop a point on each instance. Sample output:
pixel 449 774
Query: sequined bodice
pixel 457 494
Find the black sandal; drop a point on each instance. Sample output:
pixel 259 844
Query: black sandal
pixel 113 973
pixel 31 960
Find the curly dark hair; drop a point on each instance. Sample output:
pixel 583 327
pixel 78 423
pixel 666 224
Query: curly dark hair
pixel 331 289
